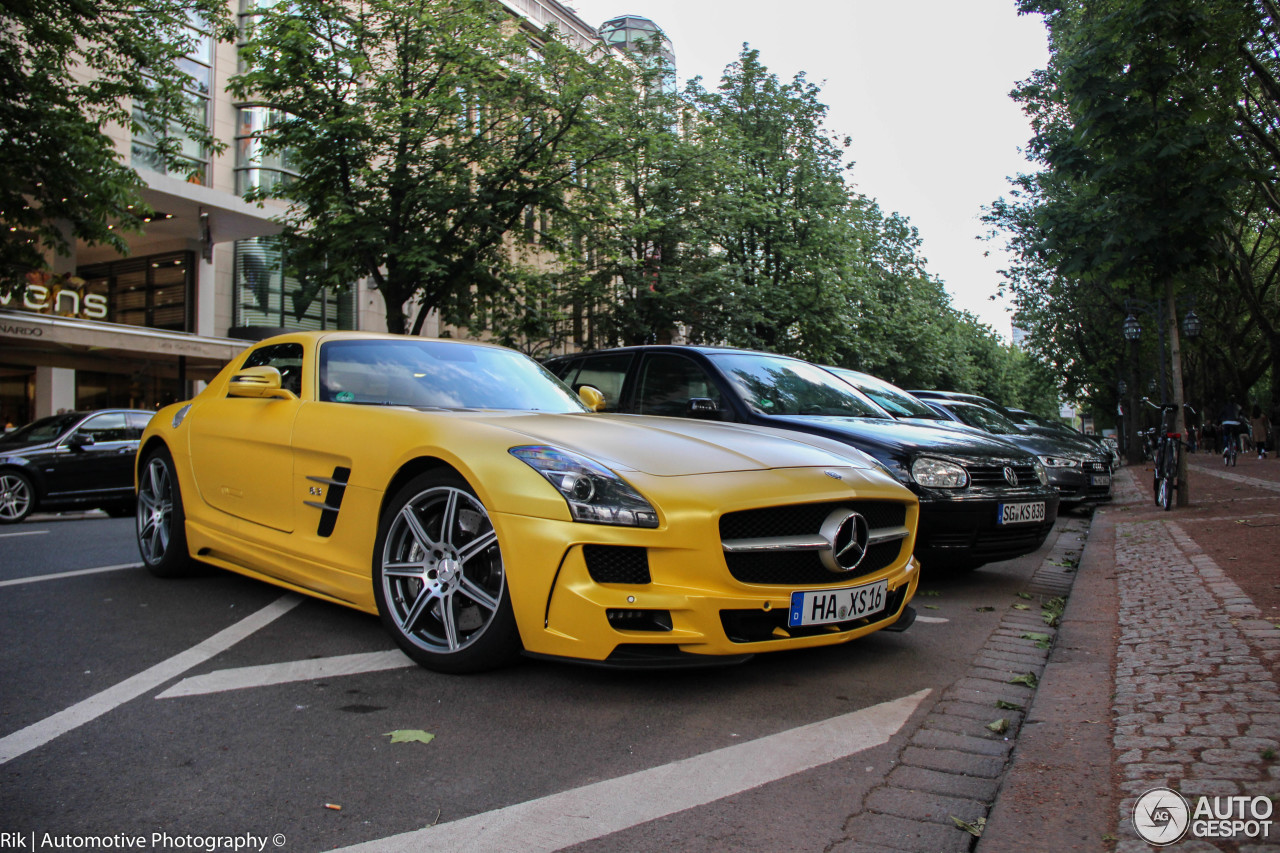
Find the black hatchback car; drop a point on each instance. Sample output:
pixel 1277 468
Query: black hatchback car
pixel 77 460
pixel 981 499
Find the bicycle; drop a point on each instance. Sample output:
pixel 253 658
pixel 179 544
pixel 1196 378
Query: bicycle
pixel 1167 455
pixel 1230 432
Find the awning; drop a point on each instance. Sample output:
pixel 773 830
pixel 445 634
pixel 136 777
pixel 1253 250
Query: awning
pixel 42 339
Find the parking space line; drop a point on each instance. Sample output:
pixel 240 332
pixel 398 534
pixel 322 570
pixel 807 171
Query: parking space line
pixel 932 620
pixel 594 811
pixel 23 533
pixel 38 734
pixel 75 574
pixel 282 673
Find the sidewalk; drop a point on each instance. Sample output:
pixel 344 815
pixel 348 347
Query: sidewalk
pixel 1163 673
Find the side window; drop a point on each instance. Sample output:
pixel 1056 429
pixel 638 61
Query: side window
pixel 605 372
pixel 108 427
pixel 137 423
pixel 668 382
pixel 286 358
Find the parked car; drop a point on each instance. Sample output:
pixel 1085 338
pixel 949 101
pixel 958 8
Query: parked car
pixel 76 460
pixel 981 499
pixel 1094 443
pixel 481 509
pixel 1080 474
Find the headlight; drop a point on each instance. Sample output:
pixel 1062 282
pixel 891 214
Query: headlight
pixel 1041 473
pixel 595 494
pixel 1059 462
pixel 939 474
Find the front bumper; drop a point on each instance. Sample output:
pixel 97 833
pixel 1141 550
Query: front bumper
pixel 1092 484
pixel 964 530
pixel 667 597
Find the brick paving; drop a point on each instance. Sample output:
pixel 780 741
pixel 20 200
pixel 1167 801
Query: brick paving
pixel 952 765
pixel 1195 706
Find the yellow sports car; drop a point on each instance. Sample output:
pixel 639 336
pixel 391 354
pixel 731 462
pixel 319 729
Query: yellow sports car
pixel 477 506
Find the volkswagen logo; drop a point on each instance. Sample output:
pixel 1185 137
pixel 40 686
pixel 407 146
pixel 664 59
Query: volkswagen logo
pixel 1010 476
pixel 848 536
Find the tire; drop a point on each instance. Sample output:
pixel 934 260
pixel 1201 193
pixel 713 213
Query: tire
pixel 439 580
pixel 1164 493
pixel 17 497
pixel 162 524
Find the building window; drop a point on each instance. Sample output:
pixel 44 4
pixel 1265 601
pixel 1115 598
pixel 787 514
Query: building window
pixel 255 169
pixel 155 291
pixel 198 64
pixel 265 298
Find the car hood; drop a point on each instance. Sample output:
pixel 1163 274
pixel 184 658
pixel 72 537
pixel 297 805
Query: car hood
pixel 900 436
pixel 668 447
pixel 1044 445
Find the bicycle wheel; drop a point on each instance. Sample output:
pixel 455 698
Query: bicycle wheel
pixel 1164 493
pixel 1169 477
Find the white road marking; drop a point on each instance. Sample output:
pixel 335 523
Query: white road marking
pixel 38 734
pixel 23 533
pixel 75 574
pixel 281 673
pixel 932 620
pixel 603 808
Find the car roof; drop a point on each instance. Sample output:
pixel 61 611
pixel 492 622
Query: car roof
pixel 700 348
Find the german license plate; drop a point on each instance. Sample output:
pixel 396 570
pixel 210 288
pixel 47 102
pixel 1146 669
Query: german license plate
pixel 822 607
pixel 1020 513
pixel 1101 480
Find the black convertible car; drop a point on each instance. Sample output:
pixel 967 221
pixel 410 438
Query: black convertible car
pixel 981 499
pixel 77 460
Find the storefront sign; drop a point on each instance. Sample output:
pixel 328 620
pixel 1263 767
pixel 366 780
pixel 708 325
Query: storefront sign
pixel 59 295
pixel 21 331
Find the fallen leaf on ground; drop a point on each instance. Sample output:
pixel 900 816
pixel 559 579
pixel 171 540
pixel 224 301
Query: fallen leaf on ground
pixel 410 736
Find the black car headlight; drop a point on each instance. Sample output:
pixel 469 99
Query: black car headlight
pixel 1059 462
pixel 939 473
pixel 1042 473
pixel 595 494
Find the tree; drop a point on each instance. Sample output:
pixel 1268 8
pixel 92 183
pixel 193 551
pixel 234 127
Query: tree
pixel 69 69
pixel 774 217
pixel 430 138
pixel 1133 125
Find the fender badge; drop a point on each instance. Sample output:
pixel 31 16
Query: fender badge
pixel 835 475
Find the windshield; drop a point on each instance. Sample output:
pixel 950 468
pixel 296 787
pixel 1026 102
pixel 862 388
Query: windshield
pixel 984 418
pixel 45 429
pixel 439 375
pixel 891 398
pixel 785 386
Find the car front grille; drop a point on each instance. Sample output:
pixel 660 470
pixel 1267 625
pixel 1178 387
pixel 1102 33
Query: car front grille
pixel 993 475
pixel 789 563
pixel 992 541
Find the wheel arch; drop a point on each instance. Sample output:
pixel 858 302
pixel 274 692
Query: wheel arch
pixel 413 468
pixel 38 485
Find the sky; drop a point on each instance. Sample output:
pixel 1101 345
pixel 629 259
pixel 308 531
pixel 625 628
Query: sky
pixel 922 88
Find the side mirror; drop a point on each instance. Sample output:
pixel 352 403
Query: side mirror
pixel 702 407
pixel 80 440
pixel 592 397
pixel 259 382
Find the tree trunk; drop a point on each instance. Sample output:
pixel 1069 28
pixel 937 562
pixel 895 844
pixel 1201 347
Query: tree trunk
pixel 1176 392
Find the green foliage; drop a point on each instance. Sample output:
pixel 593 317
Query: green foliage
pixel 431 137
pixel 68 69
pixel 1155 127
